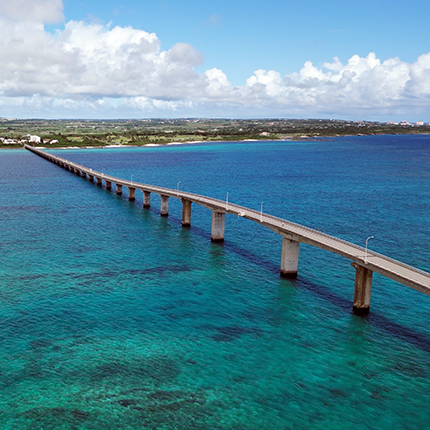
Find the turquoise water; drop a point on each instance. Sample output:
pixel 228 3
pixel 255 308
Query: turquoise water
pixel 113 317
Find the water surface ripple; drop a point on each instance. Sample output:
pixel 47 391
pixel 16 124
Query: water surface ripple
pixel 113 317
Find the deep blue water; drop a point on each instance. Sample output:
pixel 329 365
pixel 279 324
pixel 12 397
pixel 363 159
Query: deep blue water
pixel 113 317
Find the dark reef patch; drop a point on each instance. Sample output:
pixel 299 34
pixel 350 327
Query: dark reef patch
pixel 153 369
pixel 56 417
pixel 127 402
pixel 173 409
pixel 230 333
pixel 40 344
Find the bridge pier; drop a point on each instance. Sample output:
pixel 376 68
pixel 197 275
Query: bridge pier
pixel 289 258
pixel 146 199
pixel 164 207
pixel 387 267
pixel 118 189
pixel 91 178
pixel 83 174
pixel 362 289
pixel 218 226
pixel 186 213
pixel 131 193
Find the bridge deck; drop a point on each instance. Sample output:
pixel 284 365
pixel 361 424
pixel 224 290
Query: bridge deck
pixel 386 266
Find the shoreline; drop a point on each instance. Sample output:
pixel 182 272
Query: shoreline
pixel 151 145
pixel 190 142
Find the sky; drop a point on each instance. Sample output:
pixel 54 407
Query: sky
pixel 367 60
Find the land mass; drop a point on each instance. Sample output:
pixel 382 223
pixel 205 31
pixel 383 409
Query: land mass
pixel 140 132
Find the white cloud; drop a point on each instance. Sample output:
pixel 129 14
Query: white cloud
pixel 217 84
pixel 122 71
pixel 361 82
pixel 48 11
pixel 91 59
pixel 270 83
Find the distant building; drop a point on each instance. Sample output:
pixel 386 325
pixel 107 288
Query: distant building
pixel 419 123
pixel 34 139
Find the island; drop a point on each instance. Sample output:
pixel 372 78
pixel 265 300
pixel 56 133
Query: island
pixel 139 132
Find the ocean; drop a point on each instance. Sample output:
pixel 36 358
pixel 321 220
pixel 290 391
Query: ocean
pixel 113 317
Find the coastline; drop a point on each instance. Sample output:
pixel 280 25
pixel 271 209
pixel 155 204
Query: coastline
pixel 143 146
pixel 190 142
pixel 76 133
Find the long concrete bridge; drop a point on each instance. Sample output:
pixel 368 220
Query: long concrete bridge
pixel 363 260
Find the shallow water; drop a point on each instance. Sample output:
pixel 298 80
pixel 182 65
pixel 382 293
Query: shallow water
pixel 115 318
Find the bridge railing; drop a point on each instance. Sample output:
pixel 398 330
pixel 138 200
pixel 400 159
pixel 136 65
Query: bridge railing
pixel 370 252
pixel 220 204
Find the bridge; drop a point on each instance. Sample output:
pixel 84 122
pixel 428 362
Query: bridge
pixel 363 260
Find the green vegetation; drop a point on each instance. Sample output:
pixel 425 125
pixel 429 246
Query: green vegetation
pixel 60 133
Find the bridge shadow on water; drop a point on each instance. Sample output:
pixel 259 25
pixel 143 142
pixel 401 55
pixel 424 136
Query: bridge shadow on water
pixel 378 321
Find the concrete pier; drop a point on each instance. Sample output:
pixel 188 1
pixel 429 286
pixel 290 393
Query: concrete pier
pixel 186 213
pixel 118 188
pixel 362 289
pixel 289 258
pixel 131 193
pixel 91 178
pixel 146 199
pixel 164 207
pixel 218 226
pixel 83 174
pixel 385 266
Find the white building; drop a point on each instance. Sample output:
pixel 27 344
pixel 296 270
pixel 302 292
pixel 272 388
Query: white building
pixel 34 139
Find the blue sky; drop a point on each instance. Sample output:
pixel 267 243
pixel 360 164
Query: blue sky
pixel 240 37
pixel 225 58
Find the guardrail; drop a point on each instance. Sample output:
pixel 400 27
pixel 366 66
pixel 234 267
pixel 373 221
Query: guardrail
pixel 287 229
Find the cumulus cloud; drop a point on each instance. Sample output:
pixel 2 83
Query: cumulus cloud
pixel 360 83
pixel 91 59
pixel 48 11
pixel 94 68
